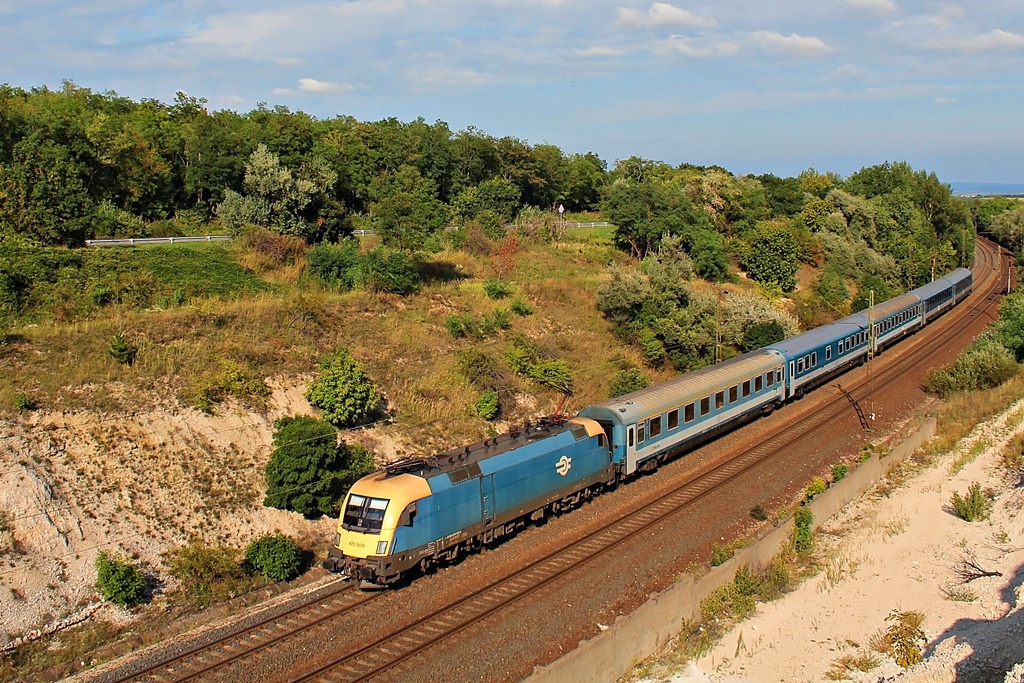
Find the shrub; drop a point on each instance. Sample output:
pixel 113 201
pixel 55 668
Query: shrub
pixel 816 487
pixel 343 391
pixel 759 513
pixel 206 391
pixel 496 289
pixel 122 350
pixel 974 507
pixel 309 471
pixel 627 381
pixel 390 270
pixel 905 637
pixel 453 324
pixel 803 536
pixel 274 556
pixel 839 471
pixel 720 554
pixel 22 403
pixel 758 335
pixel 478 367
pixel 337 265
pixel 521 308
pixel 119 581
pixel 554 374
pixel 487 405
pixel 985 364
pixel 207 574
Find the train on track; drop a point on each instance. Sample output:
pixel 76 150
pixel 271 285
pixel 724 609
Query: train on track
pixel 420 512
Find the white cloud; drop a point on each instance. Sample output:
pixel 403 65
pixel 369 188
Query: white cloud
pixel 661 14
pixel 995 40
pixel 600 52
pixel 684 45
pixel 313 85
pixel 793 44
pixel 876 6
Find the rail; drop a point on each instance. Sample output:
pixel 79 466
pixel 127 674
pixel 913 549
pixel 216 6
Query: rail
pixel 134 241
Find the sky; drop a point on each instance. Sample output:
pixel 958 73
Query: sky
pixel 751 85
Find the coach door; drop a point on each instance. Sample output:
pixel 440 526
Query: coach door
pixel 630 462
pixel 487 498
pixel 792 379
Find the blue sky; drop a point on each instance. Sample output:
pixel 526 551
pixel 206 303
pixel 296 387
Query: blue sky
pixel 753 86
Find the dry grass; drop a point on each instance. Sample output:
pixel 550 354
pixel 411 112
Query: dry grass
pixel 958 415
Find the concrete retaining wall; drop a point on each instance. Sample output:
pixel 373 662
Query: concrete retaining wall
pixel 611 654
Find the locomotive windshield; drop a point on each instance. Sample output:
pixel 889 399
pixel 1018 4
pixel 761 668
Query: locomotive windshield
pixel 364 514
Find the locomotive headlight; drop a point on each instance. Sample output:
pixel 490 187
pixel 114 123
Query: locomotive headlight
pixel 382 547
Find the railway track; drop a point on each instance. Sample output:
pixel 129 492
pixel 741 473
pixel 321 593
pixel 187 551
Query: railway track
pixel 402 644
pixel 385 652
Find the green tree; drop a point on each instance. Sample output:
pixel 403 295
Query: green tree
pixel 406 209
pixel 309 471
pixel 119 580
pixel 343 391
pixel 757 335
pixel 772 258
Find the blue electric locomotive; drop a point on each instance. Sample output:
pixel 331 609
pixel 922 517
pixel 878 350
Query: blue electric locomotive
pixel 417 512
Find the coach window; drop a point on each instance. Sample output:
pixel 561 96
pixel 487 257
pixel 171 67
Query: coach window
pixel 758 383
pixel 746 388
pixel 655 426
pixel 719 400
pixel 688 413
pixel 814 359
pixel 771 378
pixel 732 394
pixel 800 366
pixel 705 405
pixel 640 437
pixel 673 418
pixel 778 376
pixel 828 353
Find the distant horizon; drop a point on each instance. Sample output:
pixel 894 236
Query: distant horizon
pixel 982 188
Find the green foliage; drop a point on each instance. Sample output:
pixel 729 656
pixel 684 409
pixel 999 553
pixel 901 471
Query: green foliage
pixel 521 308
pixel 757 335
pixel 905 637
pixel 309 471
pixel 803 536
pixel 627 381
pixel 772 257
pixel 22 403
pixel 455 326
pixel 479 368
pixel 487 405
pixel 759 513
pixel 973 507
pixel 275 556
pixel 1008 330
pixel 815 488
pixel 205 392
pixel 337 265
pixel 388 270
pixel 122 350
pixel 984 364
pixel 496 289
pixel 343 391
pixel 524 358
pixel 839 471
pixel 720 554
pixel 207 574
pixel 119 581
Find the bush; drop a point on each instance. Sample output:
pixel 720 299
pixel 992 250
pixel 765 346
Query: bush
pixel 337 265
pixel 343 391
pixel 839 471
pixel 627 381
pixel 496 289
pixel 720 554
pixel 759 513
pixel 759 335
pixel 974 507
pixel 309 471
pixel 390 270
pixel 207 574
pixel 274 556
pixel 453 324
pixel 234 380
pixel 816 487
pixel 487 405
pixel 119 581
pixel 22 403
pixel 521 308
pixel 122 350
pixel 905 637
pixel 803 536
pixel 984 364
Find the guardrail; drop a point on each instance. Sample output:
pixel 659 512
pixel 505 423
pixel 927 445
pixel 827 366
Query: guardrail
pixel 134 241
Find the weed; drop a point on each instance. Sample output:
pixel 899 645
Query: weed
pixel 122 350
pixel 904 637
pixel 816 487
pixel 23 403
pixel 973 507
pixel 959 594
pixel 759 513
pixel 496 289
pixel 720 554
pixel 842 667
pixel 839 471
pixel 803 536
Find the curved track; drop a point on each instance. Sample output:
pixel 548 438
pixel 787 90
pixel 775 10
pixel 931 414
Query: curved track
pixel 406 640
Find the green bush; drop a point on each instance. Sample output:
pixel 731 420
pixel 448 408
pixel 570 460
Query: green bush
pixel 984 364
pixel 343 391
pixel 905 637
pixel 390 270
pixel 487 405
pixel 973 507
pixel 839 471
pixel 122 350
pixel 803 536
pixel 496 289
pixel 554 374
pixel 759 513
pixel 119 581
pixel 309 471
pixel 453 324
pixel 337 265
pixel 720 554
pixel 816 487
pixel 627 381
pixel 207 574
pixel 22 403
pixel 758 335
pixel 206 391
pixel 274 556
pixel 521 308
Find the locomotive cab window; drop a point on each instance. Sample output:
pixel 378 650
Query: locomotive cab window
pixel 364 514
pixel 673 418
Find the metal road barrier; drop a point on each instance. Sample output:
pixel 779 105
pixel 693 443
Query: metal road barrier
pixel 133 241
